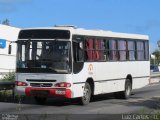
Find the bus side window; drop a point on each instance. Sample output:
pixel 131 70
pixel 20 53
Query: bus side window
pixel 122 50
pixel 86 50
pixel 131 50
pixel 100 53
pixel 89 50
pixel 146 50
pixel 112 50
pixel 78 51
pixel 140 50
pixel 107 53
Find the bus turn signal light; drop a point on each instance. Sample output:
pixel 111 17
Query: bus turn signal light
pixel 19 83
pixel 63 84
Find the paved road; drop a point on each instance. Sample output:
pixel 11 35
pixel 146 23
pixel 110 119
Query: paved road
pixel 144 100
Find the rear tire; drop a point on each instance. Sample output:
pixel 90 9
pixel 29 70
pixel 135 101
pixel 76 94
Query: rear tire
pixel 40 100
pixel 126 93
pixel 128 89
pixel 85 99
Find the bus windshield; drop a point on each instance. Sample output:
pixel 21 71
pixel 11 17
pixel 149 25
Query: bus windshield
pixel 43 56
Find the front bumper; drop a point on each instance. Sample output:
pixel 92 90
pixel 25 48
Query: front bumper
pixel 60 92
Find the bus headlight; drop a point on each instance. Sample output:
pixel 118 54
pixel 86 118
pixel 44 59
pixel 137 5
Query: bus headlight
pixel 19 83
pixel 63 84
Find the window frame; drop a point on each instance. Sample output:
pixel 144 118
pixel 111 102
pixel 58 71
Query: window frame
pixel 125 50
pixel 137 59
pixel 128 51
pixel 75 40
pixel 100 50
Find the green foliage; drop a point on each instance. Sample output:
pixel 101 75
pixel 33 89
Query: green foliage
pixel 6 22
pixel 157 57
pixel 10 77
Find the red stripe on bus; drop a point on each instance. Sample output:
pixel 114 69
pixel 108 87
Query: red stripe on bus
pixel 52 91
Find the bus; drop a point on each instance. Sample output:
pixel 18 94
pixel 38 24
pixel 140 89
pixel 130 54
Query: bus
pixel 8 34
pixel 70 62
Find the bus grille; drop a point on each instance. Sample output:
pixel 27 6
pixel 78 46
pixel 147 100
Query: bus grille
pixel 41 84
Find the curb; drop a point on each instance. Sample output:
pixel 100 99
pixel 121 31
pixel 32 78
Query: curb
pixel 154 80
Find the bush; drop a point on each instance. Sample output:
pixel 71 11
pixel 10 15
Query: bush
pixel 10 77
pixel 7 95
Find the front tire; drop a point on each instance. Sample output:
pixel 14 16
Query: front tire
pixel 85 99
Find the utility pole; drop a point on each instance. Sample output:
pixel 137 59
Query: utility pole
pixel 158 43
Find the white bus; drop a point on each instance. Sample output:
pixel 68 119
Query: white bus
pixel 7 58
pixel 69 62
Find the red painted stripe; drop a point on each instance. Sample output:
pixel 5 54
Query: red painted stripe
pixel 52 91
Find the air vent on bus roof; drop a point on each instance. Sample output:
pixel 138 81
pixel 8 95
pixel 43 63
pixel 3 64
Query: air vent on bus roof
pixel 72 26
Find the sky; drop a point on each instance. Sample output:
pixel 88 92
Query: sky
pixel 128 16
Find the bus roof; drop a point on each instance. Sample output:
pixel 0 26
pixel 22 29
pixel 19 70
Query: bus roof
pixel 9 33
pixel 99 33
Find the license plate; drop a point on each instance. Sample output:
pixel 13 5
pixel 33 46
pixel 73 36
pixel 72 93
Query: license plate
pixel 40 92
pixel 60 92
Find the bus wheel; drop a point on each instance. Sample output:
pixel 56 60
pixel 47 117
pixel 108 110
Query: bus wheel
pixel 40 100
pixel 128 88
pixel 126 93
pixel 85 99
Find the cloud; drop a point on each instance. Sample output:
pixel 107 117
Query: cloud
pixel 8 6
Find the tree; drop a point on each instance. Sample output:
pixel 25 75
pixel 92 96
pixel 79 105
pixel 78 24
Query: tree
pixel 157 57
pixel 10 77
pixel 6 22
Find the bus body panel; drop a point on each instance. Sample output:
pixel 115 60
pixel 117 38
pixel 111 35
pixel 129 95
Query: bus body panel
pixel 80 78
pixel 77 90
pixel 110 76
pixel 115 71
pixel 33 78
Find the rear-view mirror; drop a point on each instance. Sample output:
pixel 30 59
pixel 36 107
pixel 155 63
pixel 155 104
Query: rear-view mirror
pixel 9 49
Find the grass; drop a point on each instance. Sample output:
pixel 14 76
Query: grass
pixel 7 95
pixel 10 77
